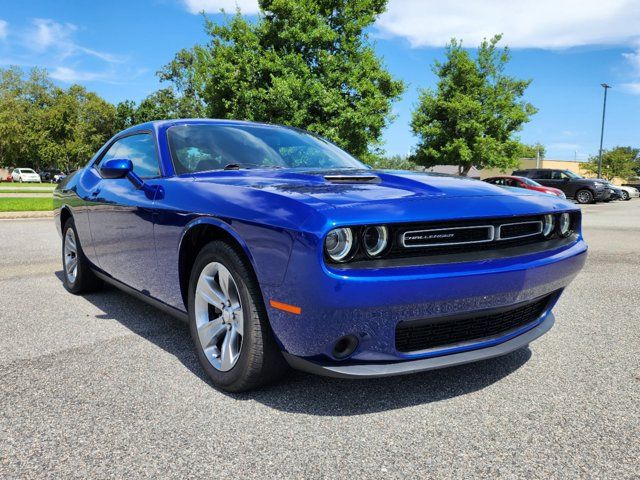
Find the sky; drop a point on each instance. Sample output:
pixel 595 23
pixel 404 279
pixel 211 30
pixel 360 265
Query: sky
pixel 568 48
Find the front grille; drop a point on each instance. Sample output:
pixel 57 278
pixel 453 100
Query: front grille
pixel 441 332
pixel 467 235
pixel 519 230
pixel 447 236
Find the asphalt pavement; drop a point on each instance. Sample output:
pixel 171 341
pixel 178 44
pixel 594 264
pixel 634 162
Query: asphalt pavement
pixel 104 386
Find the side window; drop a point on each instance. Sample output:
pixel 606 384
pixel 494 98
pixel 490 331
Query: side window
pixel 140 149
pixel 556 175
pixel 111 153
pixel 511 183
pixel 564 176
pixel 543 174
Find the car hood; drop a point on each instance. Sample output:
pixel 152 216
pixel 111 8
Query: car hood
pixel 347 187
pixel 314 200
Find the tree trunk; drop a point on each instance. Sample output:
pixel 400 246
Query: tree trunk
pixel 463 170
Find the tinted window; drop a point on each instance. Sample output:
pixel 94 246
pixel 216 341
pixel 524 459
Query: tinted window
pixel 197 148
pixel 140 149
pixel 544 174
pixel 528 181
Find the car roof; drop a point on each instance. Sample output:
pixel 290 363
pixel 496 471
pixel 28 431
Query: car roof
pixel 515 177
pixel 158 124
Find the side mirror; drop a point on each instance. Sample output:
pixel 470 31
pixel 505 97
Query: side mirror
pixel 116 168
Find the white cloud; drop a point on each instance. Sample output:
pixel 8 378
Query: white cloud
pixel 4 29
pixel 247 7
pixel 52 45
pixel 564 146
pixel 46 33
pixel 525 23
pixel 631 87
pixel 51 36
pixel 634 59
pixel 70 75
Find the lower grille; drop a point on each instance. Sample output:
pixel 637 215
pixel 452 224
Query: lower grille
pixel 441 332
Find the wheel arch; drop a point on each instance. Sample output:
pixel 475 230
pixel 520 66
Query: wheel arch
pixel 196 235
pixel 65 214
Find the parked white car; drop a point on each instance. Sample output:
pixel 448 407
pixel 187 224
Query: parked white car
pixel 629 192
pixel 25 175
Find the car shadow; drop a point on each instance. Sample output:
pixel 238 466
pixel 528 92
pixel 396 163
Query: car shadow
pixel 304 393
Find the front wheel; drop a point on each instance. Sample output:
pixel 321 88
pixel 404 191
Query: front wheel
pixel 228 321
pixel 78 277
pixel 625 195
pixel 584 196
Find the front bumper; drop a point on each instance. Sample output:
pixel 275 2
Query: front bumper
pixel 370 304
pixel 603 195
pixel 377 370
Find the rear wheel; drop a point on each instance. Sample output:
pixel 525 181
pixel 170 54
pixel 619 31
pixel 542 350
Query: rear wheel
pixel 584 196
pixel 228 321
pixel 78 277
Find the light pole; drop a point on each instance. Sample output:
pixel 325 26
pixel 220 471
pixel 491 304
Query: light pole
pixel 604 110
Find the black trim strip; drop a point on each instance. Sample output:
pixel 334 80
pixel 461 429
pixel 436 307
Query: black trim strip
pixel 506 252
pixel 160 305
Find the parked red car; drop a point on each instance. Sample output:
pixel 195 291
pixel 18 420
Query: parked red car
pixel 523 182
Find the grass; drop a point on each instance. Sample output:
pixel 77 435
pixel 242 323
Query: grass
pixel 24 190
pixel 17 188
pixel 25 204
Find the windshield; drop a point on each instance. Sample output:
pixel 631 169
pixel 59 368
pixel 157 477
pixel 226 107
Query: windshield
pixel 198 148
pixel 530 182
pixel 571 174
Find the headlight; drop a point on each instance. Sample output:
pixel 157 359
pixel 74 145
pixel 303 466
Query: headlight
pixel 338 244
pixel 375 240
pixel 548 225
pixel 565 224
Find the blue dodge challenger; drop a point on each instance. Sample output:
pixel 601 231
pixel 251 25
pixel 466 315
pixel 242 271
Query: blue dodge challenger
pixel 278 249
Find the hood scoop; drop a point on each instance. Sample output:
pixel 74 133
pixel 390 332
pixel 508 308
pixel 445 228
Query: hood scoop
pixel 343 178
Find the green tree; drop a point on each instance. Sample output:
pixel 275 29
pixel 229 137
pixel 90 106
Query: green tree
pixel 532 150
pixel 621 162
pixel 304 63
pixel 163 104
pixel 395 162
pixel 42 125
pixel 14 109
pixel 471 117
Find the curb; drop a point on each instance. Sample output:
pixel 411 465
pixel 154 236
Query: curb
pixel 16 215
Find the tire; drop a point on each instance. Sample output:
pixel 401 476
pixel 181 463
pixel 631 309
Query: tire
pixel 584 196
pixel 19 180
pixel 238 352
pixel 626 196
pixel 78 279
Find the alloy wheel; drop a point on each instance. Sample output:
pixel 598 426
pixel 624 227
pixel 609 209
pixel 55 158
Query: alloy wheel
pixel 584 197
pixel 219 316
pixel 70 255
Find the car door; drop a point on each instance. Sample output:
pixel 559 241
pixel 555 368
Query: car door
pixel 121 215
pixel 561 181
pixel 543 177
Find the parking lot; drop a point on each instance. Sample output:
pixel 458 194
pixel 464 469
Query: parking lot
pixel 105 386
